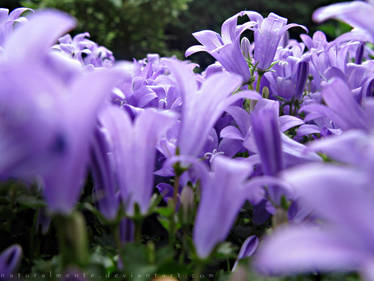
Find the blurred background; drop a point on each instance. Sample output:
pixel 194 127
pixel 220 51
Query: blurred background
pixel 133 28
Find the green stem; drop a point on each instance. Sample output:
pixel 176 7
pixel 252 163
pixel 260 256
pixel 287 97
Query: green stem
pixel 258 83
pixel 138 229
pixel 175 192
pixel 199 270
pixel 72 236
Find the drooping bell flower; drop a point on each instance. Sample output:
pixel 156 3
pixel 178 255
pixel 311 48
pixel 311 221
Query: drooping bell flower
pixel 134 151
pixel 268 34
pixel 9 260
pixel 202 107
pixel 225 48
pixel 222 194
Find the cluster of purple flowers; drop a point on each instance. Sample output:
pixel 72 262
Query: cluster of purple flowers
pixel 283 124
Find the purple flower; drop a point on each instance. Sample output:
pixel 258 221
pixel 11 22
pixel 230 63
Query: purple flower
pixel 202 107
pixel 48 121
pixel 288 78
pixel 222 194
pixel 9 260
pixel 268 34
pixel 8 21
pixel 225 48
pixel 247 250
pixel 103 167
pixel 134 151
pixel 276 150
pixel 341 107
pixel 356 13
pixel 341 241
pixel 62 184
pixel 84 50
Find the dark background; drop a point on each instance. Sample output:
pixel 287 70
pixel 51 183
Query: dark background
pixel 133 28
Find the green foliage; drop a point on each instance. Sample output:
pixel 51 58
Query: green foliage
pixel 130 27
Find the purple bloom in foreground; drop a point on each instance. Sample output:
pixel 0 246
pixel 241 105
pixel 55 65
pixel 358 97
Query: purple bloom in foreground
pixel 343 241
pixel 9 260
pixel 47 122
pixel 222 194
pixel 63 183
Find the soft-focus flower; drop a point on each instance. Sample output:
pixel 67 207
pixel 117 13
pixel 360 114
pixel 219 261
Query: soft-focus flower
pixel 247 250
pixel 9 260
pixel 356 13
pixel 342 241
pixel 47 121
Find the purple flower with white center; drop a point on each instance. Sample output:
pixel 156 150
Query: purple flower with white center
pixel 225 48
pixel 342 241
pixel 134 152
pixel 268 34
pixel 9 260
pixel 222 194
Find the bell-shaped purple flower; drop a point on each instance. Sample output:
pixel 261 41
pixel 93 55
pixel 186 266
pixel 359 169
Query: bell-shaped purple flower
pixel 268 34
pixel 202 107
pixel 225 48
pixel 134 151
pixel 288 78
pixel 222 194
pixel 103 168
